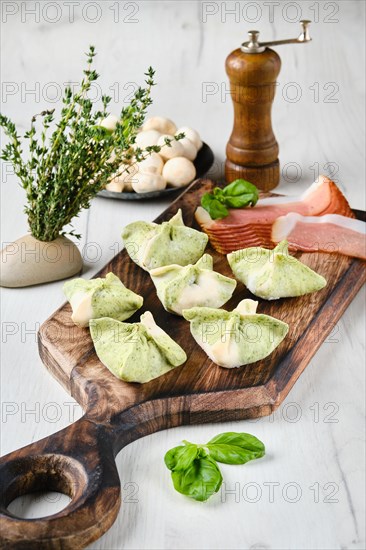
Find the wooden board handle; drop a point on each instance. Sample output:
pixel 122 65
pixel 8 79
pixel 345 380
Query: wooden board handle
pixel 78 461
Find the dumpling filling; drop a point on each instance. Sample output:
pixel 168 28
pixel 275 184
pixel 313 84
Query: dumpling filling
pixel 236 338
pixel 181 288
pixel 94 298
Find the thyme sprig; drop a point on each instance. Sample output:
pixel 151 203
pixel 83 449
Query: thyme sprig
pixel 63 173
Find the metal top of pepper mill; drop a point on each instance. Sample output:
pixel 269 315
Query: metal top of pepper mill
pixel 253 46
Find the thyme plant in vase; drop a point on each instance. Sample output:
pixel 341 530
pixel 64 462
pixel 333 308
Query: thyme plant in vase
pixel 63 172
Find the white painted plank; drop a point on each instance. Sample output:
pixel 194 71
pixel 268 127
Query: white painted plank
pixel 189 56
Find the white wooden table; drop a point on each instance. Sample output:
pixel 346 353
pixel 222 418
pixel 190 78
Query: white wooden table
pixel 308 492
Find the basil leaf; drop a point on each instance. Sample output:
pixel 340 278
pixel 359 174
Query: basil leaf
pixel 213 206
pixel 199 481
pixel 180 458
pixel 237 438
pixel 238 188
pixel 235 448
pixel 238 194
pixel 229 454
pixel 248 199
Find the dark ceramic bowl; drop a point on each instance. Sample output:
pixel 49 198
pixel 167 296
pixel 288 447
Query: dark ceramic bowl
pixel 203 163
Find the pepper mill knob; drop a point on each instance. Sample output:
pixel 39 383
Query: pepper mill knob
pixel 304 36
pixel 252 150
pixel 253 45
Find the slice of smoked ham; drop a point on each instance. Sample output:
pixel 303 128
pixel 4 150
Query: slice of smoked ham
pixel 329 233
pixel 245 227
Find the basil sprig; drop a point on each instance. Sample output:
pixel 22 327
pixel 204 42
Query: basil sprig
pixel 238 194
pixel 194 468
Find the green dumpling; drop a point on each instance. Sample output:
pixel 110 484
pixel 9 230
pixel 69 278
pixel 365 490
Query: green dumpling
pixel 273 274
pixel 94 298
pixel 181 288
pixel 135 352
pixel 152 245
pixel 235 338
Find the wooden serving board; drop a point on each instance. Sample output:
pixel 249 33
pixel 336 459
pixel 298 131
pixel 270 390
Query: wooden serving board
pixel 79 460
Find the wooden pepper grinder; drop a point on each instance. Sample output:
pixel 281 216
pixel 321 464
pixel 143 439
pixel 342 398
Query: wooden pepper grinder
pixel 252 150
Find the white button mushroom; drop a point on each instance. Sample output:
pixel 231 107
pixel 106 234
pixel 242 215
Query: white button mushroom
pixel 189 148
pixel 153 163
pixel 191 134
pixel 179 171
pixel 174 149
pixel 146 139
pixel 115 185
pixel 161 124
pixel 130 176
pixel 124 181
pixel 112 158
pixel 110 122
pixel 147 182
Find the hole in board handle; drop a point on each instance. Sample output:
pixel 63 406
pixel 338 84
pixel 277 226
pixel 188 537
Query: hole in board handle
pixel 38 505
pixel 47 481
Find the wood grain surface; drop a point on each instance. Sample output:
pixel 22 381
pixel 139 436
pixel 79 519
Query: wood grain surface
pixel 318 119
pixel 68 352
pixel 79 460
pixel 252 150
